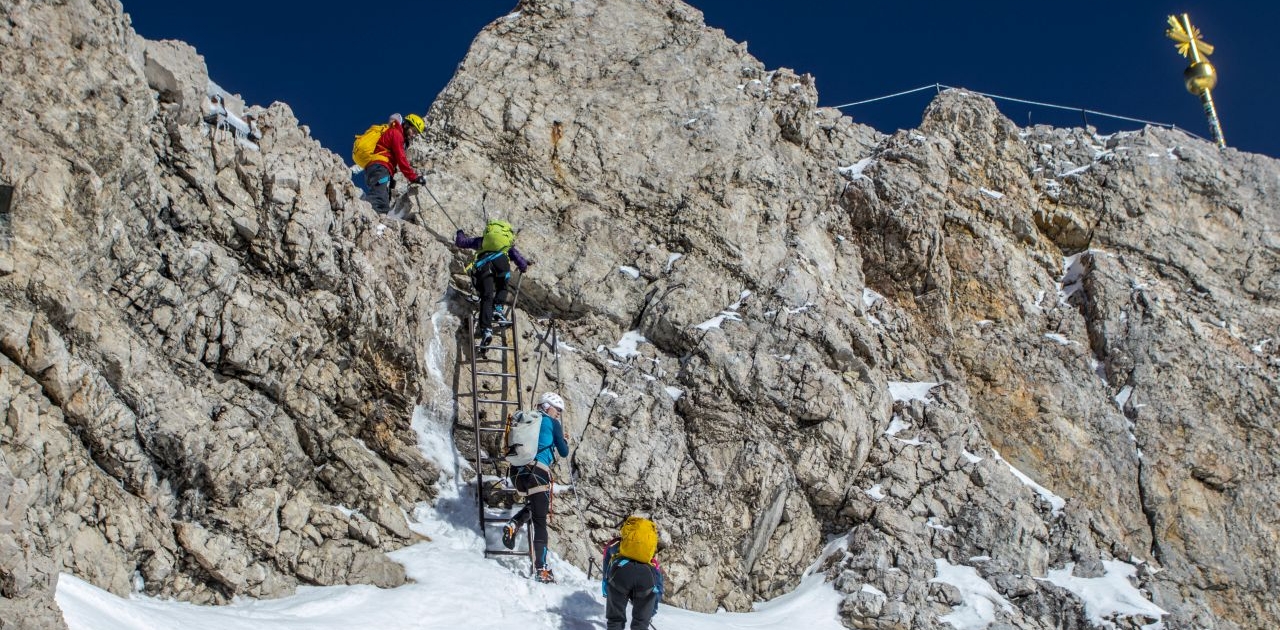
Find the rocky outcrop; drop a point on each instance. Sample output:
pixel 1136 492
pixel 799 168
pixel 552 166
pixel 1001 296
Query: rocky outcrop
pixel 783 266
pixel 212 350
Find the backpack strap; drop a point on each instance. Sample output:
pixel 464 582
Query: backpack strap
pixel 482 259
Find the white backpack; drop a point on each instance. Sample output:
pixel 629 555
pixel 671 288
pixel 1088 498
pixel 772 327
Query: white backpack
pixel 522 437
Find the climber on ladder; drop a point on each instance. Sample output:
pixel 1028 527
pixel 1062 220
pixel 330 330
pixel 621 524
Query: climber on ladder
pixel 490 271
pixel 533 479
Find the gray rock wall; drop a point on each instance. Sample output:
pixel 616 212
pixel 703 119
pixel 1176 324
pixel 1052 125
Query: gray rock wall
pixel 211 353
pixel 660 173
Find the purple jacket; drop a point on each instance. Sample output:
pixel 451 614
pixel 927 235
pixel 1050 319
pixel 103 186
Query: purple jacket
pixel 473 242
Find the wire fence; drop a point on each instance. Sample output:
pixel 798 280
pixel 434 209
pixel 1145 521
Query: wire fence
pixel 1085 113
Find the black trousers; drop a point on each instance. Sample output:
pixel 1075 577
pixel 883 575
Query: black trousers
pixel 632 582
pixel 536 507
pixel 377 179
pixel 490 281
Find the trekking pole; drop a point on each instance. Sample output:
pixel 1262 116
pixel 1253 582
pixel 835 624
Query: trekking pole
pixel 446 212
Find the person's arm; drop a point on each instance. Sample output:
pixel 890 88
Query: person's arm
pixel 516 257
pixel 557 435
pixel 395 145
pixel 467 242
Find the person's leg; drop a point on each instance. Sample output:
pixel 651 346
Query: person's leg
pixel 633 582
pixel 485 288
pixel 540 505
pixel 501 277
pixel 377 179
pixel 501 274
pixel 522 481
pixel 615 608
pixel 644 602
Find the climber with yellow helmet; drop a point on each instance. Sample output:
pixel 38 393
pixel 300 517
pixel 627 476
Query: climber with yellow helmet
pixel 380 151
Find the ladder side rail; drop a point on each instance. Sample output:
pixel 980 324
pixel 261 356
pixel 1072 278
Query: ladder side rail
pixel 475 423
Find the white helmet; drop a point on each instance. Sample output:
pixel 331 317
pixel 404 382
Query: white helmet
pixel 553 399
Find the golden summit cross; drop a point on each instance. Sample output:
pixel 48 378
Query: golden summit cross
pixel 1200 77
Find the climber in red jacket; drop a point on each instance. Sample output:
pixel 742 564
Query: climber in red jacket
pixel 388 157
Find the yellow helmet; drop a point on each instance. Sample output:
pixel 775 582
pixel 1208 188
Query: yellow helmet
pixel 415 121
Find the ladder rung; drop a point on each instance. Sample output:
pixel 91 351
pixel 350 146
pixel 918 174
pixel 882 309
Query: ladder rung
pixel 502 374
pixel 495 347
pixel 504 552
pixel 492 429
pixel 472 427
pixel 499 402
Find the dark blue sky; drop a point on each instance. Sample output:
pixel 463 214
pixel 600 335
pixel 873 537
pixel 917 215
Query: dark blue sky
pixel 343 65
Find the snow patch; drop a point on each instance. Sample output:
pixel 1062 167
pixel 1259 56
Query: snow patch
pixel 730 313
pixel 1110 597
pixel 870 298
pixel 867 588
pixel 626 347
pixel 630 271
pixel 1122 397
pixel 1055 501
pixel 1073 270
pixel 979 599
pixel 905 391
pixel 934 523
pixel 991 193
pixel 854 171
pixel 876 492
pixel 674 392
pixel 1076 171
pixel 895 426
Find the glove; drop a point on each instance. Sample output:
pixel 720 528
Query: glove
pixel 416 182
pixel 459 235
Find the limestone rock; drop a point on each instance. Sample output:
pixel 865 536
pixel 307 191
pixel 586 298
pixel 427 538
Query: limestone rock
pixel 178 75
pixel 191 323
pixel 212 352
pixel 784 265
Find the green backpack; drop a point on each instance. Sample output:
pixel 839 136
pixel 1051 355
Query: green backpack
pixel 498 237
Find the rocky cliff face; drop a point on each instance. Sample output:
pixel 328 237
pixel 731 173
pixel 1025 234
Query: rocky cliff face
pixel 212 353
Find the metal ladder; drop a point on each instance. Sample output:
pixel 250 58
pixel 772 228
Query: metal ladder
pixel 495 397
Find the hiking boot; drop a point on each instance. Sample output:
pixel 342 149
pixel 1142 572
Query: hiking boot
pixel 509 532
pixel 544 575
pixel 486 337
pixel 500 317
